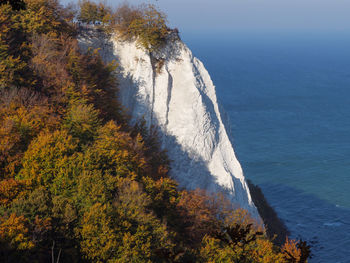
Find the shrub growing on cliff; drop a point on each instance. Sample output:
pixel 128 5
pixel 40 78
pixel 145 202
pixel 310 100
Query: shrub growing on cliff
pixel 144 23
pixel 90 12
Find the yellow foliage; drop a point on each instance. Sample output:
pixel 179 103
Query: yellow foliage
pixel 13 62
pixel 146 24
pixel 9 190
pixel 291 252
pixel 265 252
pixel 44 16
pixel 99 240
pixel 212 251
pixel 45 154
pixel 14 231
pixel 119 151
pixel 19 124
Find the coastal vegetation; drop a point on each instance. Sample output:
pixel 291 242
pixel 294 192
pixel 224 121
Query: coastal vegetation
pixel 90 12
pixel 77 182
pixel 145 23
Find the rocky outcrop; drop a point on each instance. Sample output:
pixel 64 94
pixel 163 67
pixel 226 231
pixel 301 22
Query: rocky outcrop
pixel 173 91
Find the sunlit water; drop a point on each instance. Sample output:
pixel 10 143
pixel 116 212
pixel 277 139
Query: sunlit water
pixel 288 99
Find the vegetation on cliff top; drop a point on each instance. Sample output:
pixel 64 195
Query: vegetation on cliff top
pixel 144 23
pixel 77 183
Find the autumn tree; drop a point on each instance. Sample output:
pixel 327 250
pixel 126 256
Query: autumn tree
pixel 14 53
pixel 90 12
pixel 145 23
pixel 296 251
pixel 23 114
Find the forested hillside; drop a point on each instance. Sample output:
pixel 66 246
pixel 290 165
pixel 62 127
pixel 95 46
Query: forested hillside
pixel 77 183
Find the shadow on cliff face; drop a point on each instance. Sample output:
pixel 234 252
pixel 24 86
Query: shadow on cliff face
pixel 187 168
pixel 96 39
pixel 324 225
pixel 191 172
pixel 171 49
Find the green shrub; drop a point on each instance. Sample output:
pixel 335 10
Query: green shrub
pixel 91 12
pixel 144 23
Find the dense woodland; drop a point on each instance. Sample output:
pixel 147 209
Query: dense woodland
pixel 77 183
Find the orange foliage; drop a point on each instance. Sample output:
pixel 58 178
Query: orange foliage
pixel 23 114
pixel 14 232
pixel 198 211
pixel 9 190
pixel 41 228
pixel 291 251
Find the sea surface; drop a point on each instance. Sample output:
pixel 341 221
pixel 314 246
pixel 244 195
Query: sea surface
pixel 288 100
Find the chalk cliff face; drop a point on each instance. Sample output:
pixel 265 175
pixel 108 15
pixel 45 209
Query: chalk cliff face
pixel 173 91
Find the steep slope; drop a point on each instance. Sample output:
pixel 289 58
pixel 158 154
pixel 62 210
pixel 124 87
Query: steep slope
pixel 173 91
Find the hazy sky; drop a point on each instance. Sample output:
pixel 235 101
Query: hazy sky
pixel 255 15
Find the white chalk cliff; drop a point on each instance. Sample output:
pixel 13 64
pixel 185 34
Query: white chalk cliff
pixel 174 92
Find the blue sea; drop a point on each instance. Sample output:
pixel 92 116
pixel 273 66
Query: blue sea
pixel 288 99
